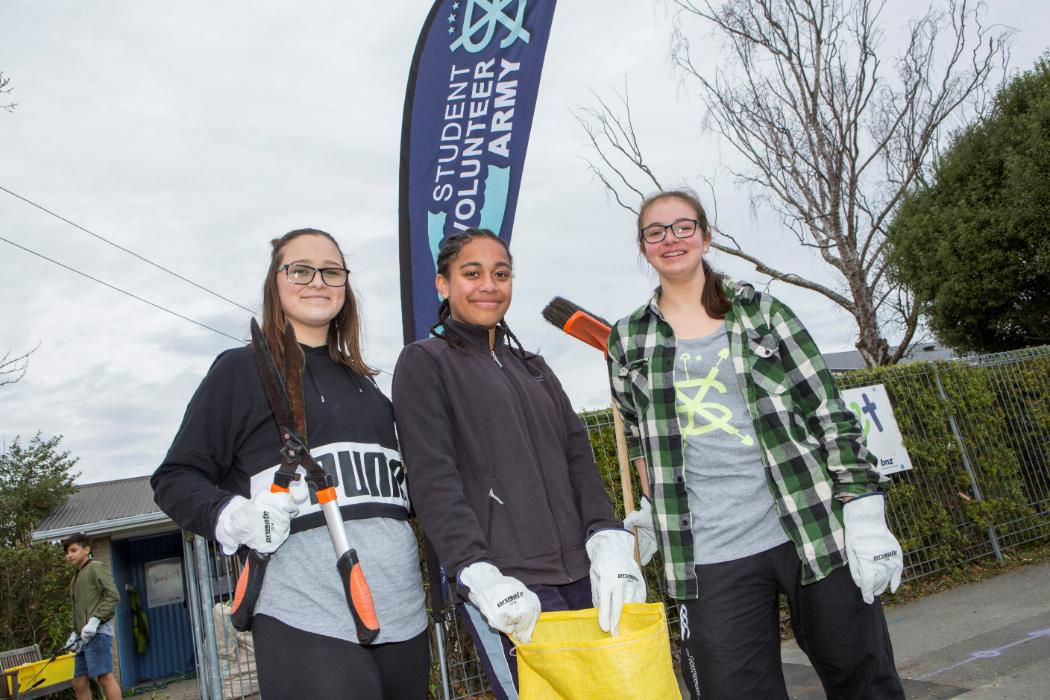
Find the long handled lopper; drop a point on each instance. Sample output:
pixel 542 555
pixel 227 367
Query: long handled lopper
pixel 594 330
pixel 285 395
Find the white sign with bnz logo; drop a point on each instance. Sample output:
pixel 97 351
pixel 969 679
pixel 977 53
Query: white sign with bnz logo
pixel 871 405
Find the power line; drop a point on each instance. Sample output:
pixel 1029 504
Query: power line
pixel 120 247
pixel 134 296
pixel 122 291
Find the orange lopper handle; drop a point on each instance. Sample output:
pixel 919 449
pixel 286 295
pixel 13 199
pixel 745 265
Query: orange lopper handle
pixel 358 597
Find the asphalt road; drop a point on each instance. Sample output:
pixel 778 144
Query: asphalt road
pixel 989 639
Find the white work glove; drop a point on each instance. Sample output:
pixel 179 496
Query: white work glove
pixel 261 523
pixel 90 628
pixel 874 554
pixel 615 576
pixel 72 641
pixel 641 521
pixel 505 602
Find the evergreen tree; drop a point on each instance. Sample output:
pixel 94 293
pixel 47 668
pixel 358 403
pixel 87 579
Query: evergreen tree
pixel 975 243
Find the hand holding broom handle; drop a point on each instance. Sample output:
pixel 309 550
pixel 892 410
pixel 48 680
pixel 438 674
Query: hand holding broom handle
pixel 594 330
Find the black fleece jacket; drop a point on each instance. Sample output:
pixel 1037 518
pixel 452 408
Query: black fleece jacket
pixel 499 465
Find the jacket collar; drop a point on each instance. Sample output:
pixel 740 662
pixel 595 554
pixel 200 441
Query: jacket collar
pixel 474 336
pixel 738 292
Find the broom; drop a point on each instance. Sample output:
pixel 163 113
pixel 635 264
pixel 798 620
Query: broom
pixel 594 330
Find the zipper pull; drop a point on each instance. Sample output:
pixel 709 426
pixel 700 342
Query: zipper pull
pixel 495 359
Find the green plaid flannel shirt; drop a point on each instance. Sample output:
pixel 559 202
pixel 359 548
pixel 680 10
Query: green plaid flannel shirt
pixel 812 447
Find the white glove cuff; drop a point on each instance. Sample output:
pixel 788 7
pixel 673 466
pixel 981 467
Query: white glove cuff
pixel 866 507
pixel 224 533
pixel 475 575
pixel 604 542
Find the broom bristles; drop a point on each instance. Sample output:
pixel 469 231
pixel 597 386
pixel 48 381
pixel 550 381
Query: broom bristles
pixel 560 310
pixel 578 322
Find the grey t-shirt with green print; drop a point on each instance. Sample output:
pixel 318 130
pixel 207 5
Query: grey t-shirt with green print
pixel 730 501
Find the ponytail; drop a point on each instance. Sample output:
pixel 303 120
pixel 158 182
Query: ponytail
pixel 713 297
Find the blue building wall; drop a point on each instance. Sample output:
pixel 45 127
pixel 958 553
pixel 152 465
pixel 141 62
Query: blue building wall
pixel 170 648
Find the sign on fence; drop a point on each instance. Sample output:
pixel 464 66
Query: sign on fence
pixel 871 404
pixel 164 582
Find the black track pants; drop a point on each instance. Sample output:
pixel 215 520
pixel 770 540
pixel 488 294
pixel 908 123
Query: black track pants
pixel 731 638
pixel 295 664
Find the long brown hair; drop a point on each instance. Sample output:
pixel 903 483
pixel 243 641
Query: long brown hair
pixel 344 331
pixel 713 296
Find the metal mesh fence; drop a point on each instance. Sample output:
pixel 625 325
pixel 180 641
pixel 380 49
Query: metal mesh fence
pixel 225 657
pixel 978 435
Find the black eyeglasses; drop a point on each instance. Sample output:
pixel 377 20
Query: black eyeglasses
pixel 681 228
pixel 297 273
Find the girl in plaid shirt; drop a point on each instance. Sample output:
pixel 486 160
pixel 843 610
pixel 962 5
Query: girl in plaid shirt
pixel 755 475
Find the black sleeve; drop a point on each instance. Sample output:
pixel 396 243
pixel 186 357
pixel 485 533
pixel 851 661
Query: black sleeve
pixel 185 485
pixel 592 499
pixel 424 428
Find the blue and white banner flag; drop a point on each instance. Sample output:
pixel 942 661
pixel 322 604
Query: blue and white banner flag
pixel 468 111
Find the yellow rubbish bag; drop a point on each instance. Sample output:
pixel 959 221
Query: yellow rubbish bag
pixel 570 658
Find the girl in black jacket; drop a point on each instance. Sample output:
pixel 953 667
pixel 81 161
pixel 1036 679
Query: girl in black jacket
pixel 501 471
pixel 216 479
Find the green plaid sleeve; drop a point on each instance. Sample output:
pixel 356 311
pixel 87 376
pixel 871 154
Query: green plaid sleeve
pixel 641 369
pixel 623 399
pixel 851 466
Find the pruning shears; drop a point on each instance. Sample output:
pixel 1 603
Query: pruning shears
pixel 284 391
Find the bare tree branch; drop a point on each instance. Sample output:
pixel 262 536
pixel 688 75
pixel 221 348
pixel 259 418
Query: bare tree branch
pixel 12 369
pixel 5 88
pixel 830 138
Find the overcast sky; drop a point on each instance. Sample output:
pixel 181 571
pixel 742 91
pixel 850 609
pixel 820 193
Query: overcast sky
pixel 194 132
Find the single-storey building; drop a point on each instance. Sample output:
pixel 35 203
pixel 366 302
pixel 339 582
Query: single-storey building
pixel 144 550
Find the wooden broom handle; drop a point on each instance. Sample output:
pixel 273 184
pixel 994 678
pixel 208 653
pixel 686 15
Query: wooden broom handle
pixel 625 472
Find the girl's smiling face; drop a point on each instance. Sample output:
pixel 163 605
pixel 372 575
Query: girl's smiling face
pixel 478 286
pixel 674 259
pixel 310 307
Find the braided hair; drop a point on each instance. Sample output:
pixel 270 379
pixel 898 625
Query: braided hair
pixel 448 251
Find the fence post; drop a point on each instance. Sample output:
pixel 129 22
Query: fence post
pixel 966 463
pixel 196 624
pixel 211 649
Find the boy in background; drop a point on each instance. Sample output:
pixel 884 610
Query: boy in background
pixel 94 599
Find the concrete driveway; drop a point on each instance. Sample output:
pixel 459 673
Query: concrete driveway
pixel 989 639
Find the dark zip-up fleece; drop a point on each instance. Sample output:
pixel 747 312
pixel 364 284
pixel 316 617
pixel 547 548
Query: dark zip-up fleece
pixel 499 465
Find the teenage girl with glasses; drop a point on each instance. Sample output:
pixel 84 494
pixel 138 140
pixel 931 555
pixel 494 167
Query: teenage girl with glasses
pixel 501 469
pixel 216 479
pixel 758 479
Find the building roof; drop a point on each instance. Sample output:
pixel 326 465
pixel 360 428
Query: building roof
pixel 919 352
pixel 103 507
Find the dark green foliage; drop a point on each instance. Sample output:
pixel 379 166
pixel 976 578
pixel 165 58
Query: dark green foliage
pixel 975 244
pixel 34 480
pixel 1002 413
pixel 34 597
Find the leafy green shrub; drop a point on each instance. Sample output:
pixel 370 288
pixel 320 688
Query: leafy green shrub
pixel 34 597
